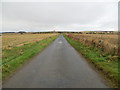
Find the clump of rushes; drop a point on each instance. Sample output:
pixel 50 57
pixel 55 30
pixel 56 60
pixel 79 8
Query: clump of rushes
pixel 108 68
pixel 15 57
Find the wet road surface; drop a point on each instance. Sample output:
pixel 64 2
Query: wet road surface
pixel 58 66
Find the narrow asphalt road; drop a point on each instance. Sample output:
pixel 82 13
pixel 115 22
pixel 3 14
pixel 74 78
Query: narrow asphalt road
pixel 58 66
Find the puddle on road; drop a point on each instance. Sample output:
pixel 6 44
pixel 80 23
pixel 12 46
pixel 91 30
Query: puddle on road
pixel 60 42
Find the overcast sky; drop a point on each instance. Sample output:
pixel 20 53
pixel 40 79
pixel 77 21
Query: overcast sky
pixel 72 16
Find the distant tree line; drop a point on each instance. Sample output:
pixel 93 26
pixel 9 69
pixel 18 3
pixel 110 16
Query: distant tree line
pixel 82 32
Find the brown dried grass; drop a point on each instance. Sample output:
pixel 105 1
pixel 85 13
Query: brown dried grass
pixel 107 43
pixel 15 40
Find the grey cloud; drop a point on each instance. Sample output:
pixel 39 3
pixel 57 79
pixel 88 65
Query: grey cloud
pixel 33 16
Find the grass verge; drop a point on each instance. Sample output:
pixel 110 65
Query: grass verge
pixel 108 69
pixel 16 56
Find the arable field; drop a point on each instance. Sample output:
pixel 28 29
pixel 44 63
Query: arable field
pixel 99 49
pixel 17 48
pixel 15 40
